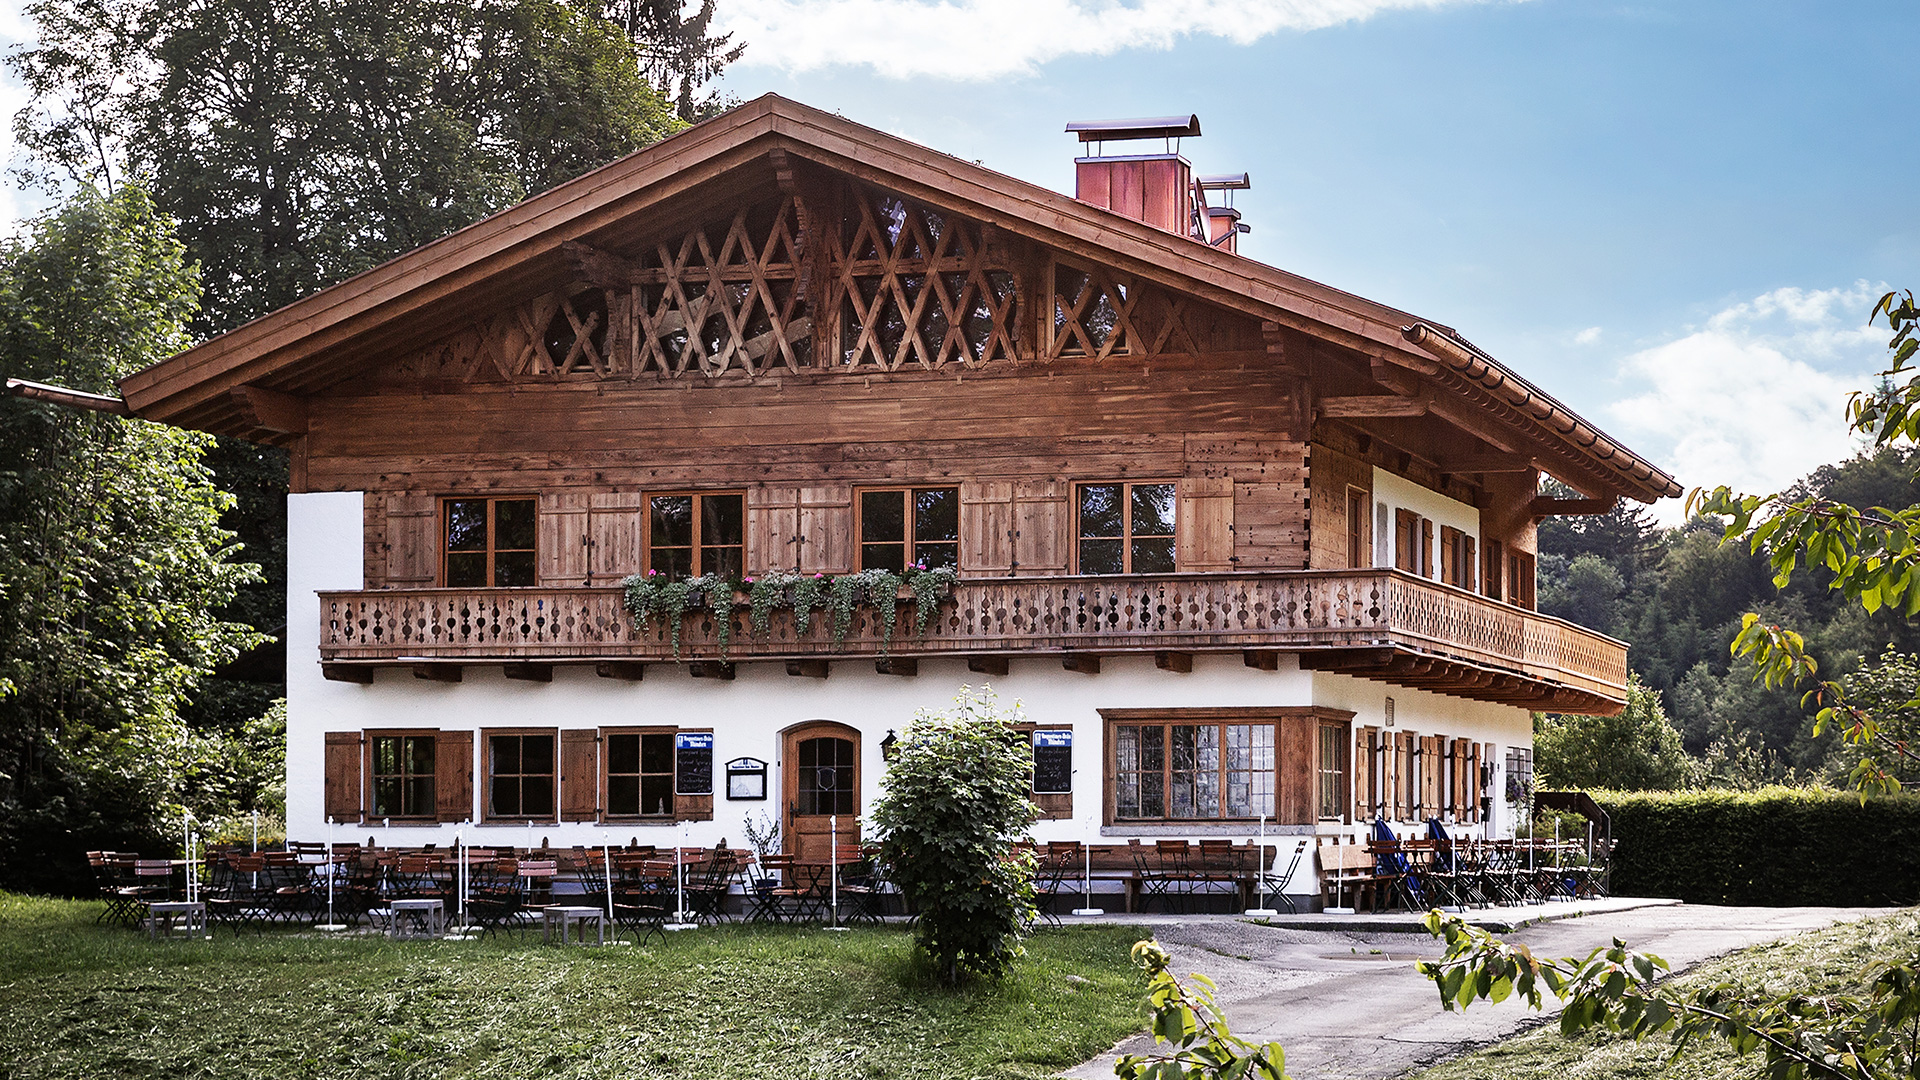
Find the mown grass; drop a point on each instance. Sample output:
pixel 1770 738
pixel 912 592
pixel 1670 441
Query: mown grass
pixel 1837 959
pixel 84 1001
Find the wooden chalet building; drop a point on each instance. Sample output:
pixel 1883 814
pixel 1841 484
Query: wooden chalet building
pixel 1241 543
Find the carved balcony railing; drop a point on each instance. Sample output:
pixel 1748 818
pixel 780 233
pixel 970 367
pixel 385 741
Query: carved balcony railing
pixel 1408 629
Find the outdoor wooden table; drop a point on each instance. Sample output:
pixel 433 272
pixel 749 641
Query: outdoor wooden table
pixel 416 920
pixel 563 916
pixel 166 916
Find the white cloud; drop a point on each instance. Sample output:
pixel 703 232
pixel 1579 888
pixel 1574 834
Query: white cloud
pixel 1588 336
pixel 984 39
pixel 1756 397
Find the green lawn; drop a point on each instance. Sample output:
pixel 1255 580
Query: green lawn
pixel 1835 959
pixel 727 1002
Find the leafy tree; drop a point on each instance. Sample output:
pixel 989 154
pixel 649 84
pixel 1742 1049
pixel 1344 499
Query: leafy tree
pixel 956 802
pixel 300 143
pixel 679 53
pixel 1636 750
pixel 1188 1018
pixel 112 560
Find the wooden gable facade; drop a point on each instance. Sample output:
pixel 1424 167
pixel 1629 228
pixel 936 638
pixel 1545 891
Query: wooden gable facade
pixel 794 308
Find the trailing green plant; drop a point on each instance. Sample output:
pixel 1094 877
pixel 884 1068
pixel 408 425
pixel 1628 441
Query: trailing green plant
pixel 1187 1017
pixel 955 805
pixel 808 594
pixel 652 597
pixel 928 586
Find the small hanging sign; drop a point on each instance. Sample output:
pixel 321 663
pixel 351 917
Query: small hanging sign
pixel 1052 762
pixel 693 763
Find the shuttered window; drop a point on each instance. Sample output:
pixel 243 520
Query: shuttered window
pixel 696 533
pixel 521 775
pixel 1125 528
pixel 1358 524
pixel 490 542
pixel 402 772
pixel 640 774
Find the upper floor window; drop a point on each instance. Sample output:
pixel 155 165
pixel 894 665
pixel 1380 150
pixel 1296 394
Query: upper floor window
pixel 696 533
pixel 489 542
pixel 1359 523
pixel 1413 543
pixel 402 774
pixel 1125 528
pixel 1457 557
pixel 909 526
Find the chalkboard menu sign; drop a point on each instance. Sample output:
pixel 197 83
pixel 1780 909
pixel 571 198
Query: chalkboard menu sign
pixel 693 763
pixel 1052 762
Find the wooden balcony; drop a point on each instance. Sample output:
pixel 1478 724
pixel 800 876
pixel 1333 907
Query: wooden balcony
pixel 1379 624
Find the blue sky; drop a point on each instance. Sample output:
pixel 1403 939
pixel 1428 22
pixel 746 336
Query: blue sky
pixel 1672 216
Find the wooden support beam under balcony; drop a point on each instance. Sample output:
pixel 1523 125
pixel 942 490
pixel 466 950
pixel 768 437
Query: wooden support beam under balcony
pixel 807 669
pixel 987 665
pixel 1261 659
pixel 1081 662
pixel 353 673
pixel 1174 661
pixel 711 669
pixel 1544 507
pixel 625 670
pixel 437 672
pixel 528 672
pixel 897 665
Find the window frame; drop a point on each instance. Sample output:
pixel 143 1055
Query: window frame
pixel 1168 718
pixel 910 518
pixel 371 736
pixel 698 547
pixel 1127 536
pixel 1341 775
pixel 607 735
pixel 492 550
pixel 1359 528
pixel 485 752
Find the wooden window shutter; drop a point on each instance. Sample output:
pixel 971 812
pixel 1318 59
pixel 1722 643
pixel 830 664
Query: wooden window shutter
pixel 1426 547
pixel 1203 524
pixel 1295 772
pixel 1406 533
pixel 453 776
pixel 1396 776
pixel 1450 555
pixel 1430 776
pixel 1473 782
pixel 1042 526
pixel 1363 773
pixel 613 537
pixel 562 555
pixel 1462 782
pixel 773 521
pixel 1359 528
pixel 345 766
pixel 1494 572
pixel 1468 562
pixel 579 774
pixel 1523 580
pixel 986 527
pixel 413 540
pixel 826 529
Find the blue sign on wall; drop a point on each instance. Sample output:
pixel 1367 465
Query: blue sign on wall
pixel 1053 738
pixel 694 741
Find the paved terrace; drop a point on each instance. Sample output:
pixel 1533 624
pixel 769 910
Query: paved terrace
pixel 1340 992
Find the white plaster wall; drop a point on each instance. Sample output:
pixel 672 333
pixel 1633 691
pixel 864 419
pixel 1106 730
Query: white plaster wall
pixel 1398 493
pixel 325 550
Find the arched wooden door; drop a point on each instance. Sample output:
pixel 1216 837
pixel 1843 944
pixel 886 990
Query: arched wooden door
pixel 820 782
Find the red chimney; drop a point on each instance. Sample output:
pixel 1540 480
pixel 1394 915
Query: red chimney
pixel 1154 188
pixel 1223 222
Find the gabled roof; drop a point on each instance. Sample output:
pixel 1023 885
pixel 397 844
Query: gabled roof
pixel 411 300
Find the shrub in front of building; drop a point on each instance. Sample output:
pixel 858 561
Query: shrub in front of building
pixel 955 806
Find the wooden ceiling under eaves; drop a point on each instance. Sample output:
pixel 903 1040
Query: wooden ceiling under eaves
pixel 1378 374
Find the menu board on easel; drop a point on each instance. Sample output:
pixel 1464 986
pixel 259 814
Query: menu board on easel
pixel 1052 762
pixel 693 763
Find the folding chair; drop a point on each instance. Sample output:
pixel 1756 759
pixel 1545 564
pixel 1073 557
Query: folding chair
pixel 1273 883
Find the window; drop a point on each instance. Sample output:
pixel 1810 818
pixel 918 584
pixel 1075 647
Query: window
pixel 490 542
pixel 1456 557
pixel 1332 769
pixel 640 774
pixel 1493 575
pixel 520 775
pixel 826 776
pixel 1358 504
pixel 696 533
pixel 1193 771
pixel 1520 579
pixel 909 525
pixel 402 770
pixel 1125 528
pixel 1413 543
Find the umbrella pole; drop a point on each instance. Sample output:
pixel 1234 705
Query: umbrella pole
pixel 680 920
pixel 1086 887
pixel 1260 873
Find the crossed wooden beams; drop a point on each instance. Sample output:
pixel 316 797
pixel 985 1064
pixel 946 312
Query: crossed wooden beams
pixel 1124 297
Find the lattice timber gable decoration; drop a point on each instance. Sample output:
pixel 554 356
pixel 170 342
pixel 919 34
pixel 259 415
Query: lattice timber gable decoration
pixel 902 286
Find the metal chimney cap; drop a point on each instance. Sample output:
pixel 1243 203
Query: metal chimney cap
pixel 1150 127
pixel 1226 182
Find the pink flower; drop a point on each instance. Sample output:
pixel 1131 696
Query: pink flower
pixel 650 573
pixel 749 581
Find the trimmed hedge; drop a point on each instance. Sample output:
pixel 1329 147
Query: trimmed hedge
pixel 1773 847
